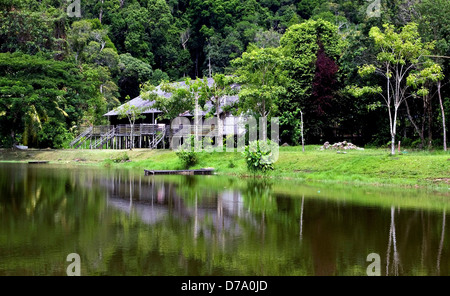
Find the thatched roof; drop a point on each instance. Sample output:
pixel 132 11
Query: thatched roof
pixel 147 104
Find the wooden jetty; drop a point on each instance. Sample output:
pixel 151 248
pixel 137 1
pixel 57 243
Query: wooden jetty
pixel 179 172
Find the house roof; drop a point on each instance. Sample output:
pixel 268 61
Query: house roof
pixel 147 104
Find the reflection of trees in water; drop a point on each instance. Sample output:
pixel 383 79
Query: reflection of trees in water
pixel 211 226
pixel 418 238
pixel 441 244
pixel 258 196
pixel 392 241
pixel 301 217
pixel 46 214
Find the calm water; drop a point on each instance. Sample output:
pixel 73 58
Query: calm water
pixel 121 222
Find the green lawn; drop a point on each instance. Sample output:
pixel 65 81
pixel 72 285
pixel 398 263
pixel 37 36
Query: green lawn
pixel 369 166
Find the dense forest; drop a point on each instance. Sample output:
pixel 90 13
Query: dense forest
pixel 367 77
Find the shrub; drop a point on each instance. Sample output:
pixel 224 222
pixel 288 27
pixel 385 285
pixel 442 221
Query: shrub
pixel 188 158
pixel 258 156
pixel 187 155
pixel 121 158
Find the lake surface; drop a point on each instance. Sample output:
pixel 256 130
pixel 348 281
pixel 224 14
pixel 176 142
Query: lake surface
pixel 121 222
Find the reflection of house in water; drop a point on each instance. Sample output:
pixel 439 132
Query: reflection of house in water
pixel 154 200
pixel 149 214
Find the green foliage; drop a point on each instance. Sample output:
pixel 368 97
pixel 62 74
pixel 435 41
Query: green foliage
pixel 131 112
pixel 187 155
pixel 300 45
pixel 258 156
pixel 53 134
pixel 397 54
pixel 89 42
pixel 117 46
pixel 181 99
pixel 187 158
pixel 37 92
pixel 434 24
pixel 31 31
pixel 261 75
pixel 430 73
pixel 121 158
pixel 132 73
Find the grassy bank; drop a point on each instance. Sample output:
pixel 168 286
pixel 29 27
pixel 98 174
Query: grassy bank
pixel 370 166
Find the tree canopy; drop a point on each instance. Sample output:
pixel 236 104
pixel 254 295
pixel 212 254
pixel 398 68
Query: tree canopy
pixel 291 57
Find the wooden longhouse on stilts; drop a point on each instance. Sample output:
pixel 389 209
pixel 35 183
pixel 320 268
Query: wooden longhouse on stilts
pixel 150 132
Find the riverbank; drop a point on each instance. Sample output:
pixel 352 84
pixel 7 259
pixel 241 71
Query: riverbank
pixel 369 166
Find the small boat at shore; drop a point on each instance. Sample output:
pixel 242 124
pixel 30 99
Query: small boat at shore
pixel 21 147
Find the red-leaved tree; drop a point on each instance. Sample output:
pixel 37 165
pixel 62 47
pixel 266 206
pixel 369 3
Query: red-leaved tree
pixel 324 83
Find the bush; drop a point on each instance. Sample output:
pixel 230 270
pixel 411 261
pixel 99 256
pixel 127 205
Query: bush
pixel 121 158
pixel 187 156
pixel 258 156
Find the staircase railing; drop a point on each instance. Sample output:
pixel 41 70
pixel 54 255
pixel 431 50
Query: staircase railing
pixel 104 138
pixel 158 138
pixel 81 138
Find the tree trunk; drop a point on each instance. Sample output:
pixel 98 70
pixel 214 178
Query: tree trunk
pixel 209 66
pixel 391 127
pixel 441 243
pixel 263 129
pixel 394 130
pixel 263 122
pixel 443 115
pixel 301 130
pixel 100 15
pixel 197 142
pixel 430 119
pixel 219 127
pixel 388 103
pixel 132 138
pixel 170 137
pixel 196 64
pixel 393 144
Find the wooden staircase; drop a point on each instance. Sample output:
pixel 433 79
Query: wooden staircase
pixel 78 141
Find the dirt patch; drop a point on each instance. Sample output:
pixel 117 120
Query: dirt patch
pixel 442 180
pixel 304 171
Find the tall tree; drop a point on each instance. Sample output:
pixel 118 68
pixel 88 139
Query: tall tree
pixel 398 54
pixel 434 24
pixel 312 51
pixel 132 73
pixel 179 99
pixel 132 113
pixel 324 82
pixel 424 80
pixel 260 75
pixel 41 99
pixel 217 94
